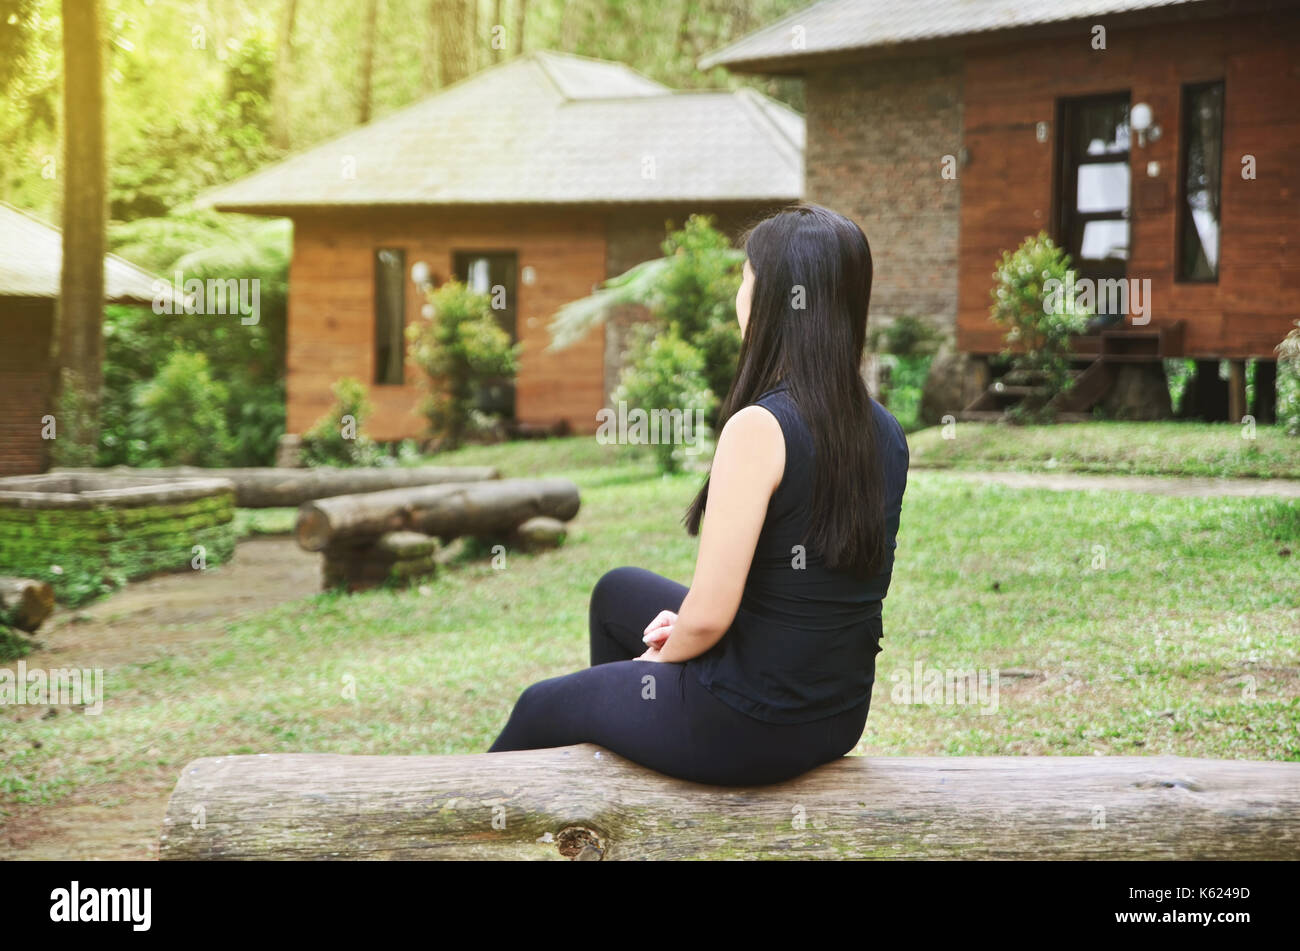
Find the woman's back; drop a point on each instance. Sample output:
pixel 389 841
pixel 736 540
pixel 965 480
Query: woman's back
pixel 803 643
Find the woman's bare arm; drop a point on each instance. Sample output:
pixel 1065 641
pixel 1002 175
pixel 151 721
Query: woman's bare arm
pixel 747 468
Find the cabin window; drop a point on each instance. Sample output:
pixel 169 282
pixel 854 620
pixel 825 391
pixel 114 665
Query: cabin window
pixel 390 315
pixel 1198 256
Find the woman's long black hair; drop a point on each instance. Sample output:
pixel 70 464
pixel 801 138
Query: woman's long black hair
pixel 807 328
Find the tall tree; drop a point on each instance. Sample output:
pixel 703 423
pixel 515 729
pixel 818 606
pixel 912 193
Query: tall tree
pixel 454 25
pixel 498 11
pixel 79 336
pixel 521 15
pixel 283 74
pixel 368 29
pixel 475 40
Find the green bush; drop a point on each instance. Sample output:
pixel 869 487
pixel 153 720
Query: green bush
pixel 460 347
pixel 906 336
pixel 248 358
pixel 695 297
pixel 902 386
pixel 1033 298
pixel 179 416
pixel 1288 381
pixel 337 438
pixel 665 377
pixel 905 348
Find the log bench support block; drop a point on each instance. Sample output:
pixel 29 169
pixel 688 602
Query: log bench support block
pixel 583 802
pixel 392 558
pixel 25 603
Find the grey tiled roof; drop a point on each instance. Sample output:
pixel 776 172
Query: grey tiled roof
pixel 545 128
pixel 842 25
pixel 31 259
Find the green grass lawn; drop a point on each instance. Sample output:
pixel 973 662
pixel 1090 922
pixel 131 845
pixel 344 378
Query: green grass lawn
pixel 1184 642
pixel 1185 449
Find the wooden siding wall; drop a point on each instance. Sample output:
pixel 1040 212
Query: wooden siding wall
pixel 331 308
pixel 1007 189
pixel 25 327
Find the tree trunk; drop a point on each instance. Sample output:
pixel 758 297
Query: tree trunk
pixel 475 40
pixel 587 803
pixel 498 22
pixel 368 28
pixel 25 603
pixel 260 488
pixel 521 17
pixel 453 21
pixel 79 339
pixel 283 74
pixel 448 511
pixel 429 52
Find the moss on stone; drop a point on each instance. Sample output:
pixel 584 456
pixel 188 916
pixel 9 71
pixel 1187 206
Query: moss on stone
pixel 84 553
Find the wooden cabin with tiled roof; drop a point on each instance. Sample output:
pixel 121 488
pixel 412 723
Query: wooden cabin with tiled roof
pixel 1156 140
pixel 545 175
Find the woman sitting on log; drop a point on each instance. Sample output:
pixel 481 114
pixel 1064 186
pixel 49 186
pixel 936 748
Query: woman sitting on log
pixel 763 668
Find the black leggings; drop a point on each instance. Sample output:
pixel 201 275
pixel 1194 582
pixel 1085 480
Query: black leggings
pixel 658 714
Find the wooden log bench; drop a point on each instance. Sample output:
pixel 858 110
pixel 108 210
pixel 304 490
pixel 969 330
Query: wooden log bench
pixel 583 802
pixel 271 487
pixel 381 537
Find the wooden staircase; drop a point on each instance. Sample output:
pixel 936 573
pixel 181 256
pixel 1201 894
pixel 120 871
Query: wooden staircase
pixel 1108 349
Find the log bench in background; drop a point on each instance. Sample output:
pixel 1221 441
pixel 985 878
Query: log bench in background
pixel 448 511
pixel 585 802
pixel 373 537
pixel 271 487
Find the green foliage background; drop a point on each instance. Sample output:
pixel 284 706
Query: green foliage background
pixel 190 88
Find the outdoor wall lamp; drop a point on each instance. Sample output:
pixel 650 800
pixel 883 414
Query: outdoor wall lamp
pixel 422 279
pixel 1140 120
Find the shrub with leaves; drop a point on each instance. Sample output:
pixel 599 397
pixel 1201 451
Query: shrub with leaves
pixel 1288 381
pixel 905 347
pixel 696 295
pixel 247 357
pixel 906 336
pixel 178 417
pixel 1034 299
pixel 460 348
pixel 691 290
pixel 337 439
pixel 665 391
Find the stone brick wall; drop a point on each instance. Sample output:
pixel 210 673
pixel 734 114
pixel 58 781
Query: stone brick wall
pixel 87 549
pixel 25 328
pixel 877 137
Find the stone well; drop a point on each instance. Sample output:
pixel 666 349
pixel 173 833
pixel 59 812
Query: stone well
pixel 87 533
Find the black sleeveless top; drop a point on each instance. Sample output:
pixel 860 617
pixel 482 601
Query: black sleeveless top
pixel 803 641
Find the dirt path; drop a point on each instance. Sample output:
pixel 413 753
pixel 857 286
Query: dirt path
pixel 144 621
pixel 1184 486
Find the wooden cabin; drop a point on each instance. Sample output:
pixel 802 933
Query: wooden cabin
pixel 1156 140
pixel 31 262
pixel 545 176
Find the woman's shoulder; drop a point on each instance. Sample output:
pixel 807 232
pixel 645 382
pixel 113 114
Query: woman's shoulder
pixel 778 401
pixel 888 423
